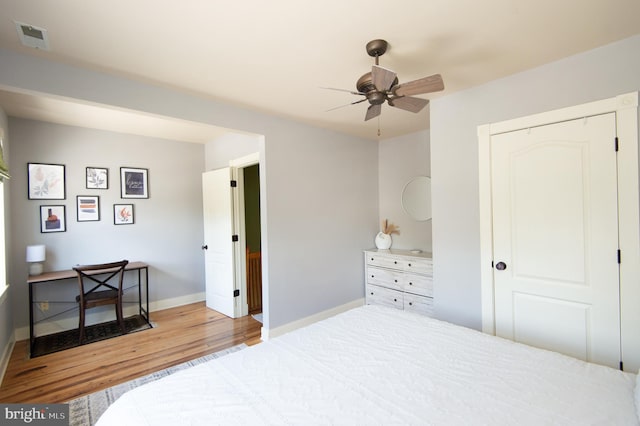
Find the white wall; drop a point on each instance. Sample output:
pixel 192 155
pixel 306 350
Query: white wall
pixel 597 74
pixel 320 191
pixel 400 160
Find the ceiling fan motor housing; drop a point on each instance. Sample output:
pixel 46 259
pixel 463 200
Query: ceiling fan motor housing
pixel 374 96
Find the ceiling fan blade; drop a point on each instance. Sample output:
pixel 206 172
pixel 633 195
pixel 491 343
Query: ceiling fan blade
pixel 344 90
pixel 408 103
pixel 382 78
pixel 429 84
pixel 373 111
pixel 342 106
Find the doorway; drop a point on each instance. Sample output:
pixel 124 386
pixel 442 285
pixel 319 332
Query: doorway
pixel 232 240
pixel 253 243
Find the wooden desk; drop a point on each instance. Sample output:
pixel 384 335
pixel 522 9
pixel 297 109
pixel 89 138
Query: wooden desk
pixel 53 276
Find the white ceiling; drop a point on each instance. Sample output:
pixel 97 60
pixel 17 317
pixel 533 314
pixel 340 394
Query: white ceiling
pixel 275 56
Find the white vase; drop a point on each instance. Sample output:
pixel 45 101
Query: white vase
pixel 383 241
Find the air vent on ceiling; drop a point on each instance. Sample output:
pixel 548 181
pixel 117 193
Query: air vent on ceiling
pixel 32 36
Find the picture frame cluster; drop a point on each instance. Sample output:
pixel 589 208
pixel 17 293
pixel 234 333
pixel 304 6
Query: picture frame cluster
pixel 48 182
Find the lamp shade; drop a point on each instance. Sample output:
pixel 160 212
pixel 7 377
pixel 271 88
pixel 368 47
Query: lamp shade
pixel 36 253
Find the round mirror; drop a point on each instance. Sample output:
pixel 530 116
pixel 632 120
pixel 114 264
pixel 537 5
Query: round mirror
pixel 416 198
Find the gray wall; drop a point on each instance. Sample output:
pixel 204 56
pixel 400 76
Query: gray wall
pixel 167 232
pixel 318 188
pixel 597 74
pixel 400 160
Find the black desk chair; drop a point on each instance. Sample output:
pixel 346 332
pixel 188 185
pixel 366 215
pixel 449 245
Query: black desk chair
pixel 110 295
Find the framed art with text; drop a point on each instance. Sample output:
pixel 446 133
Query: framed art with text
pixel 134 183
pixel 46 181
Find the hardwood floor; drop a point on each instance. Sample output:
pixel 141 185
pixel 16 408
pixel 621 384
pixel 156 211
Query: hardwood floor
pixel 180 334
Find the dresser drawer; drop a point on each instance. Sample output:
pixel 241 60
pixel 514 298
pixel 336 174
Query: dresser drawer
pixel 418 284
pixel 402 263
pixel 383 260
pixel 419 304
pixel 385 278
pixel 419 266
pixel 377 295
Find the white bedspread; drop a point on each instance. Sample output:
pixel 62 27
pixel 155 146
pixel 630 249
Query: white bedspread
pixel 376 365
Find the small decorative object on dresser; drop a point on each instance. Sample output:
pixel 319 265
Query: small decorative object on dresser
pixel 400 279
pixel 383 238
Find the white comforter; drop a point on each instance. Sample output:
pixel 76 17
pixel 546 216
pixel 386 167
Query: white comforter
pixel 376 365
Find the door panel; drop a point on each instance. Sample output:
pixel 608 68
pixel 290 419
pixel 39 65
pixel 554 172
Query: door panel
pixel 556 230
pixel 568 320
pixel 218 229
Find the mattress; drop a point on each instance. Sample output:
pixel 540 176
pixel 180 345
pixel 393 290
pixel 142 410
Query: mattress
pixel 377 365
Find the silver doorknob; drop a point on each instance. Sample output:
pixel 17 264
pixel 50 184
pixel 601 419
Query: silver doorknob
pixel 501 266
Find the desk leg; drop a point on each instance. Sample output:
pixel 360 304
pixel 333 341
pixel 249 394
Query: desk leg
pixel 144 311
pixel 31 336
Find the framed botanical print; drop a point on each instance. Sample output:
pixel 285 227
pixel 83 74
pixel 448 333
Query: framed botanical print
pixel 134 183
pixel 46 181
pixel 88 208
pixel 97 178
pixel 53 219
pixel 123 214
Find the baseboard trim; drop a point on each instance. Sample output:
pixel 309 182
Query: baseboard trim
pixel 57 326
pixel 6 356
pixel 266 334
pixel 50 327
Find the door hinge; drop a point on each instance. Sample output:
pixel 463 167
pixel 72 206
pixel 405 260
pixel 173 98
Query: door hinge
pixel 236 293
pixel 619 256
pixel 234 238
pixel 616 144
pixel 234 183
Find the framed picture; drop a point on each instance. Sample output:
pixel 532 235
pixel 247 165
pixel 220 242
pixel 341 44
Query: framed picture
pixel 88 208
pixel 97 178
pixel 46 181
pixel 134 183
pixel 123 214
pixel 53 219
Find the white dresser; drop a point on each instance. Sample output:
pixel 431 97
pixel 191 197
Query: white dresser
pixel 400 279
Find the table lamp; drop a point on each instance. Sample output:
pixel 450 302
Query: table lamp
pixel 35 257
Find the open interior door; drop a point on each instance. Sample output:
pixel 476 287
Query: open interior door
pixel 217 199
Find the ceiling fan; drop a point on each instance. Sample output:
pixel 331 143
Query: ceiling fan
pixel 382 85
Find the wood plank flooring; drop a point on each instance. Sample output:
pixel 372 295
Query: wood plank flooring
pixel 180 334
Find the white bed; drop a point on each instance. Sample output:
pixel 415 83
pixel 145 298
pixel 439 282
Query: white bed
pixel 377 365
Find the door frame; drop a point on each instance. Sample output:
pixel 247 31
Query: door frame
pixel 626 108
pixel 239 226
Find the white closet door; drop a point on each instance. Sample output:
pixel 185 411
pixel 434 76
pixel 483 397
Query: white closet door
pixel 555 225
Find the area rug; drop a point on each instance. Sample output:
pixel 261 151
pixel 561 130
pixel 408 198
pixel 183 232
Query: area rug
pixel 51 343
pixel 86 410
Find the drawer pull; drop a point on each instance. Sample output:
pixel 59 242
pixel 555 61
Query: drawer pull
pixel 395 281
pixel 395 262
pixel 410 303
pixel 372 293
pixel 395 300
pixel 410 283
pixel 409 264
